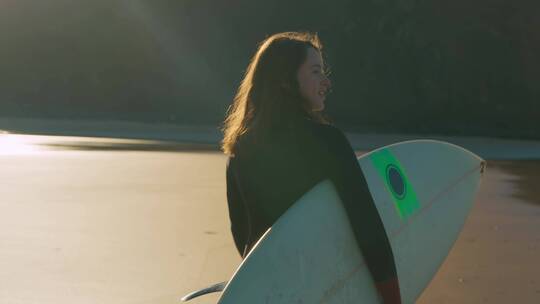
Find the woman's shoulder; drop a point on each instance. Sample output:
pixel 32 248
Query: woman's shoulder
pixel 328 132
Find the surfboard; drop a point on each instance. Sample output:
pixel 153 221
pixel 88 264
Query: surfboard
pixel 423 191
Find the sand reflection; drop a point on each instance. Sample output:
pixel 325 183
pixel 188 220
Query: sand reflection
pixel 525 178
pixel 20 144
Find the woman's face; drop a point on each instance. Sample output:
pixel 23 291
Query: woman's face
pixel 312 81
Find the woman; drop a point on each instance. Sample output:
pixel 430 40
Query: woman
pixel 277 138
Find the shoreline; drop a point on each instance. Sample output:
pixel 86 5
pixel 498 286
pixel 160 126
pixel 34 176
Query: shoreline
pixel 209 137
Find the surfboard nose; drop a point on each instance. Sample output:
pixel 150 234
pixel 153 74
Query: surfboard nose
pixel 483 165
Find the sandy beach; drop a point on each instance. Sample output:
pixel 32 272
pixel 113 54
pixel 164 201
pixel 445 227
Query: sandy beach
pixel 87 220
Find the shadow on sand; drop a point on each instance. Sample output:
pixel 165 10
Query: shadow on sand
pixel 140 146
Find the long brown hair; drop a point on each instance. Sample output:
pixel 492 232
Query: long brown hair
pixel 268 97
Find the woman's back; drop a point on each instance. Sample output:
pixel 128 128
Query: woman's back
pixel 273 172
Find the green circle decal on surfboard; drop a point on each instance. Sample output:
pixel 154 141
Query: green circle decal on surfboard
pixel 396 182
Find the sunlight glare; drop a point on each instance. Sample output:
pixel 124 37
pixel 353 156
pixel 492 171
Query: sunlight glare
pixel 12 144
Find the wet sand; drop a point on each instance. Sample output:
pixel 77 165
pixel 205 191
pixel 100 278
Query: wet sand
pixel 494 259
pixel 85 222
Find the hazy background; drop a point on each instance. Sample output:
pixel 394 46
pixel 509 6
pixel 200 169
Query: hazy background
pixel 448 67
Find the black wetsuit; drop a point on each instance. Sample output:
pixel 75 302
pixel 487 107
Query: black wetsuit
pixel 265 178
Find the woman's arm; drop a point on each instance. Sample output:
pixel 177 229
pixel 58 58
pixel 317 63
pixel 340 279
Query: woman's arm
pixel 364 217
pixel 237 211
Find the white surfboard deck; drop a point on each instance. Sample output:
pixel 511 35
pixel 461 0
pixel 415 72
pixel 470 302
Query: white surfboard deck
pixel 310 254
